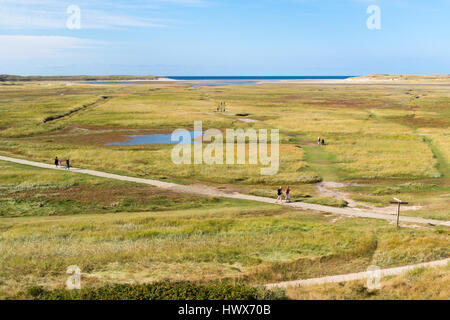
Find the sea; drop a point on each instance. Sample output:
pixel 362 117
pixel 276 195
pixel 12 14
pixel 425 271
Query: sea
pixel 212 78
pixel 193 81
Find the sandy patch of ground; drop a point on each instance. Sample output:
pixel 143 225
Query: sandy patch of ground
pixel 327 188
pixel 248 120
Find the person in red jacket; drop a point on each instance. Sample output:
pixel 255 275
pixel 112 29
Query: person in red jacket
pixel 288 194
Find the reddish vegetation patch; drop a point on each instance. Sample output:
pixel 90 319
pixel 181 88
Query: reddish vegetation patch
pixel 302 142
pixel 412 120
pixel 307 143
pixel 71 129
pixel 329 102
pixel 11 151
pixel 33 92
pixel 93 135
pixel 102 195
pixel 346 103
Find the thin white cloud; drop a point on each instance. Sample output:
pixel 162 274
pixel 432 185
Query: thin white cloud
pixel 51 14
pixel 93 19
pixel 42 47
pixel 19 18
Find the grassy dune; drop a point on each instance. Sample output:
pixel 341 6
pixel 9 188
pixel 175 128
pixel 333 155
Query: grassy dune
pixel 407 78
pixel 256 244
pixel 381 141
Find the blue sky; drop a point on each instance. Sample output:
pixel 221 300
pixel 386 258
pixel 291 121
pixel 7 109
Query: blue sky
pixel 224 37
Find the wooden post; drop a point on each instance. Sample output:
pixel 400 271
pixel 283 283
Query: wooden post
pixel 398 210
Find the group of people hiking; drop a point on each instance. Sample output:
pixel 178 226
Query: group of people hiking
pixel 59 163
pixel 221 106
pixel 321 141
pixel 287 194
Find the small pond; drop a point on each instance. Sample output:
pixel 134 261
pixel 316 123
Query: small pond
pixel 149 139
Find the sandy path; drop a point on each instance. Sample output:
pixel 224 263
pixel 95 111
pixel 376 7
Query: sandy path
pixel 327 188
pixel 323 188
pixel 357 276
pixel 248 120
pixel 210 191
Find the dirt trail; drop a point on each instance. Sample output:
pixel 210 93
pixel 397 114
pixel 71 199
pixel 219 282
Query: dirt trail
pixel 357 276
pixel 324 190
pixel 248 120
pixel 210 191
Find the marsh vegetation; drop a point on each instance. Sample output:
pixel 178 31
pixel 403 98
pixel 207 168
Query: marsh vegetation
pixel 382 141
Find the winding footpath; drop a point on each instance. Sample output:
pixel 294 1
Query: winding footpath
pixel 212 192
pixel 359 276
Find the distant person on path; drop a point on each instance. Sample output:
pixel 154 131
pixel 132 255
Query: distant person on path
pixel 323 142
pixel 279 194
pixel 67 164
pixel 288 194
pixel 60 162
pixel 56 162
pixel 318 141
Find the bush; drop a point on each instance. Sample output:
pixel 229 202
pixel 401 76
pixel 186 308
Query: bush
pixel 161 291
pixel 35 291
pixel 326 201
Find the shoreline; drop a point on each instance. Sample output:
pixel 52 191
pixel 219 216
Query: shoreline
pixel 194 83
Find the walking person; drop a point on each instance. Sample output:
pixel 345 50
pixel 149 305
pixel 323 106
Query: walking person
pixel 56 162
pixel 288 194
pixel 67 164
pixel 279 194
pixel 318 141
pixel 323 142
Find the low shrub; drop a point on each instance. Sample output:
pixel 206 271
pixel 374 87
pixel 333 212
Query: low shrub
pixel 165 290
pixel 326 201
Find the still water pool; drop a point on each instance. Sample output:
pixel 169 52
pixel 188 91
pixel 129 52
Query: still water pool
pixel 149 139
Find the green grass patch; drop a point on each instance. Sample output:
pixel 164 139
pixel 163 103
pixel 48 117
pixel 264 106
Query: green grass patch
pixel 442 162
pixel 327 201
pixel 323 163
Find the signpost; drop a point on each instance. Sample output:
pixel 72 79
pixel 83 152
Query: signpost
pixel 399 202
